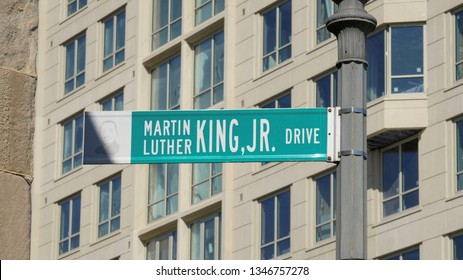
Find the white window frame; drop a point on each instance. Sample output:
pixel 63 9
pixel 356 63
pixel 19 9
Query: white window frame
pixel 400 193
pixel 168 83
pixel 112 55
pixel 277 38
pixel 333 198
pixel 217 236
pixel 112 99
pixel 170 22
pixel 69 229
pixel 79 6
pixel 153 248
pixel 388 77
pixel 213 2
pixel 275 241
pixel 76 73
pixel 455 138
pixel 165 197
pixel 333 75
pixel 73 144
pixel 209 179
pixel 334 8
pixel 455 62
pixel 110 218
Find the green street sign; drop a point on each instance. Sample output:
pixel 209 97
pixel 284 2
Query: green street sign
pixel 210 136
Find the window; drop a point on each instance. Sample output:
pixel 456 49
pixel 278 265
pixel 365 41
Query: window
pixel 75 64
pixel 163 190
pixel 72 143
pixel 325 8
pixel 209 70
pixel 280 102
pixel 206 239
pixel 205 9
pixel 114 103
pixel 325 211
pixel 165 85
pixel 458 247
pixel 275 226
pixel 75 5
pixel 163 247
pixel 459 147
pixel 167 21
pixel 400 177
pixel 459 45
pixel 402 70
pixel 413 254
pixel 207 181
pixel 277 35
pixel 327 88
pixel 69 233
pixel 110 206
pixel 114 41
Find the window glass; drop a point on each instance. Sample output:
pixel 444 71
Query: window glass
pixel 72 144
pixel 206 238
pixel 167 22
pixel 205 9
pixel 75 64
pixel 114 103
pixel 376 65
pixel 325 8
pixel 69 224
pixel 459 45
pixel 400 181
pixel 163 190
pixel 458 247
pixel 459 148
pixel 114 41
pixel 75 5
pixel 163 247
pixel 275 225
pixel 408 255
pixel 327 90
pixel 277 35
pixel 165 81
pixel 325 207
pixel 209 72
pixel 110 206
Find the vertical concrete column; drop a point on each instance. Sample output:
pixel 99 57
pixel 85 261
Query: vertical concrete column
pixel 351 24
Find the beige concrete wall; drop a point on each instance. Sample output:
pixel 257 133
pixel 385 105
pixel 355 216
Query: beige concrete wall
pixel 18 49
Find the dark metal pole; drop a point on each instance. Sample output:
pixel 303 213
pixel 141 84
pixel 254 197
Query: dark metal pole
pixel 351 24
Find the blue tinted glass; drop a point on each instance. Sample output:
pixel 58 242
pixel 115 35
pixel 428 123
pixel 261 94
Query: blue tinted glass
pixel 82 3
pixel 390 172
pixel 103 229
pixel 410 165
pixel 108 37
pixel 174 245
pixel 104 202
pixel 268 221
pixel 407 85
pixel 283 247
pixel 323 199
pixel 64 226
pixel 218 93
pixel 175 9
pixel 391 206
pixel 72 8
pixel 410 200
pixel 79 134
pixel 75 215
pixel 218 57
pixel 81 54
pixel 203 66
pixel 209 240
pixel 285 101
pixel 323 232
pixel 203 13
pixel 159 84
pixel 324 92
pixel 267 252
pixel 175 82
pixel 116 197
pixel 459 147
pixel 459 36
pixel 119 102
pixel 218 6
pixel 115 223
pixel 120 31
pixel 412 255
pixel 270 31
pixel 175 29
pixel 285 24
pixel 284 54
pixel 67 149
pixel 407 50
pixel 284 216
pixel 70 60
pixel 458 247
pixel 375 70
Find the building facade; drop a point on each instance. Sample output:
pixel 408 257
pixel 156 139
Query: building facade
pixel 224 54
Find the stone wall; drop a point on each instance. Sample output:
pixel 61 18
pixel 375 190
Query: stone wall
pixel 18 50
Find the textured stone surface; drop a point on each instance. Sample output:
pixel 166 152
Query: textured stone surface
pixel 15 227
pixel 18 30
pixel 18 49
